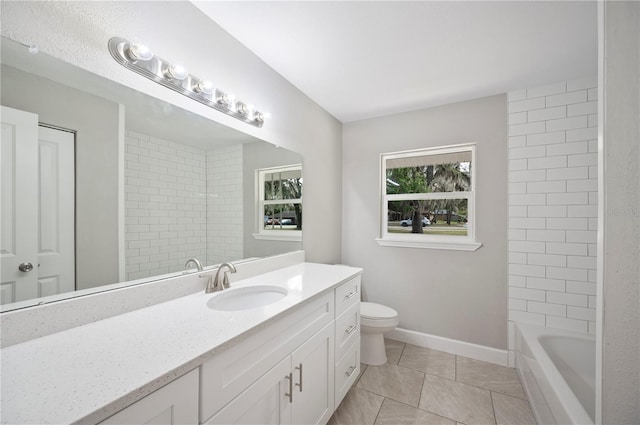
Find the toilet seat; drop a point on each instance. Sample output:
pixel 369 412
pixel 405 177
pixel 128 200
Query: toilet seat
pixel 378 315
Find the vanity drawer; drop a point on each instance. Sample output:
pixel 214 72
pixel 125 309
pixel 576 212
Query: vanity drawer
pixel 347 371
pixel 347 329
pixel 347 295
pixel 235 369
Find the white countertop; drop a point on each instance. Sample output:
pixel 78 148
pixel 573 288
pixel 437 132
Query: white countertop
pixel 86 374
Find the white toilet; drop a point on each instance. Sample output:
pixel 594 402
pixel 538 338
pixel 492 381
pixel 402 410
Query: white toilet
pixel 375 319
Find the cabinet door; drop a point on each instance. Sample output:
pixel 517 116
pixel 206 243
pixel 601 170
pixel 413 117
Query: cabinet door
pixel 267 401
pixel 312 366
pixel 175 403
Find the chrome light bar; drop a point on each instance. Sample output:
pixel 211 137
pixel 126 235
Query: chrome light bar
pixel 141 60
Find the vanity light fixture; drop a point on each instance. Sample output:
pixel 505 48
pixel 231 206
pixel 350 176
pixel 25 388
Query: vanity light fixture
pixel 223 99
pixel 204 87
pixel 138 58
pixel 242 108
pixel 137 51
pixel 176 72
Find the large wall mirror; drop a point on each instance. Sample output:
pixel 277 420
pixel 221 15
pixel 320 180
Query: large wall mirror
pixel 102 185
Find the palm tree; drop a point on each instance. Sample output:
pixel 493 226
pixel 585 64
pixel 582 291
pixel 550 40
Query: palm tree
pixel 450 178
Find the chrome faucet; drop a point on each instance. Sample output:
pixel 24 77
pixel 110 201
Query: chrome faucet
pixel 217 284
pixel 195 261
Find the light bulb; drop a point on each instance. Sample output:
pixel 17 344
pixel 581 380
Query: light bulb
pixel 222 99
pixel 205 87
pixel 258 117
pixel 241 108
pixel 138 51
pixel 176 72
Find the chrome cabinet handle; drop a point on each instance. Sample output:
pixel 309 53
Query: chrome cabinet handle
pixel 350 371
pixel 25 267
pixel 299 368
pixel 351 328
pixel 290 395
pixel 351 294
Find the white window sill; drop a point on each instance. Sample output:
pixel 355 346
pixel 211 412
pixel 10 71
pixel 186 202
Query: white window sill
pixel 277 236
pixel 453 246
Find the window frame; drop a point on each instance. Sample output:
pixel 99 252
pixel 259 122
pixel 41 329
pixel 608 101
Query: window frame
pixel 448 242
pixel 273 234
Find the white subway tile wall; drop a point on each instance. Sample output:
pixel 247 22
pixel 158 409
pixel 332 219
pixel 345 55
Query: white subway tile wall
pixel 224 204
pixel 553 205
pixel 165 205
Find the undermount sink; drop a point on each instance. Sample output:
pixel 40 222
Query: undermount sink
pixel 246 298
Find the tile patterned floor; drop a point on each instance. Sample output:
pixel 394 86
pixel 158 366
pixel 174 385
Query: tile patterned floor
pixel 421 386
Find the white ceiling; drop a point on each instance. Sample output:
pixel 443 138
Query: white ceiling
pixel 361 59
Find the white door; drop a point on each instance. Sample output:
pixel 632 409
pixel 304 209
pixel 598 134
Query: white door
pixel 56 221
pixel 19 186
pixel 37 186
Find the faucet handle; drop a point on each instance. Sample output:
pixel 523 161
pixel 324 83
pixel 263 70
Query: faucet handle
pixel 225 280
pixel 195 261
pixel 219 284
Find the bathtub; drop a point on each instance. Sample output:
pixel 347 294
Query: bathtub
pixel 557 370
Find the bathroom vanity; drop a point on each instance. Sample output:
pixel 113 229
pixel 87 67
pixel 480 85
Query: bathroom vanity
pixel 193 360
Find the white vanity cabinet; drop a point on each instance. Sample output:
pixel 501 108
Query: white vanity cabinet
pixel 283 374
pixel 347 337
pixel 298 390
pixel 295 371
pixel 175 403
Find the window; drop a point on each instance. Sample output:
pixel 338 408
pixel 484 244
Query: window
pixel 279 206
pixel 428 198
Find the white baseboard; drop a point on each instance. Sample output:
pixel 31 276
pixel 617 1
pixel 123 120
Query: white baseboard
pixel 453 346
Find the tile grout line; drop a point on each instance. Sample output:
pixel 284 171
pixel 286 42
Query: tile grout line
pixel 424 378
pixel 404 347
pixel 421 409
pixel 455 368
pixel 493 407
pixel 379 410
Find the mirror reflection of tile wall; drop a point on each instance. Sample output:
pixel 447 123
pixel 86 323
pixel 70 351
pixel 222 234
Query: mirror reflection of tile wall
pixel 165 205
pixel 181 202
pixel 225 221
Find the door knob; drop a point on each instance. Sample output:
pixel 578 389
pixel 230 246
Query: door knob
pixel 25 267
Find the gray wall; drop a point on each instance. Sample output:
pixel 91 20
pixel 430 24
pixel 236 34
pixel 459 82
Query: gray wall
pixel 78 32
pixel 96 122
pixel 621 313
pixel 453 294
pixel 255 156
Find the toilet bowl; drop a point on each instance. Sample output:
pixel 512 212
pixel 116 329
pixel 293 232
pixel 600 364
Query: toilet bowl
pixel 375 320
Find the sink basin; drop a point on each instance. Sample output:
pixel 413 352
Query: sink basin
pixel 246 298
